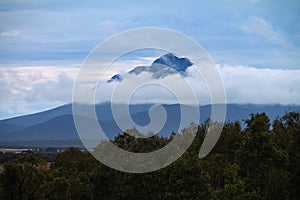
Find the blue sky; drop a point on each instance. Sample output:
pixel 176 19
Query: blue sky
pixel 38 36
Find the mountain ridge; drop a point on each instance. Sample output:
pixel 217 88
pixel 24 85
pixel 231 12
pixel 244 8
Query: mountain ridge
pixel 167 64
pixel 57 124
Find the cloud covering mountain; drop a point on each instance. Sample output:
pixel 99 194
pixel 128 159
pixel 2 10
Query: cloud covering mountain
pixel 163 66
pixel 30 89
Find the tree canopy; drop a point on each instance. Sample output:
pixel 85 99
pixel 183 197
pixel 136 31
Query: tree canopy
pixel 257 161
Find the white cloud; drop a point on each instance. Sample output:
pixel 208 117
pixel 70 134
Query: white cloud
pixel 36 84
pixel 243 84
pixel 23 87
pixel 262 86
pixel 259 26
pixel 27 89
pixel 12 33
pixel 143 88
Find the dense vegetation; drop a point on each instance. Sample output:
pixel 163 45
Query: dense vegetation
pixel 258 161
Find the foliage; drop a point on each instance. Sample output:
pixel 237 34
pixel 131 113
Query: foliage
pixel 260 161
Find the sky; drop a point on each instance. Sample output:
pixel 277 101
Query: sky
pixel 255 45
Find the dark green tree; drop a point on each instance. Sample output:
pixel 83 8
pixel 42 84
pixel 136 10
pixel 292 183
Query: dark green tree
pixel 262 164
pixel 27 179
pixel 74 167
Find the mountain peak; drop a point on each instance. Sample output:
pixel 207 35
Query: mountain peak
pixel 179 64
pixel 163 66
pixel 116 77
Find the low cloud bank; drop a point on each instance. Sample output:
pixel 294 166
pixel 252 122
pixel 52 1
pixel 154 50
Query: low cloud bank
pixel 243 84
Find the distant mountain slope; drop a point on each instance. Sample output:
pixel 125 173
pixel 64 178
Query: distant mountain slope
pixel 58 125
pixel 103 111
pixel 36 118
pixel 61 127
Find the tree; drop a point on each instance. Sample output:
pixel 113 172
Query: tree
pixel 74 167
pixel 186 179
pixel 28 178
pixel 262 164
pixel 258 123
pixel 286 131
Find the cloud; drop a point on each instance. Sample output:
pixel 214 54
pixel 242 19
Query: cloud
pixel 26 90
pixel 12 33
pixel 259 26
pixel 143 88
pixel 23 87
pixel 36 84
pixel 55 30
pixel 243 84
pixel 246 84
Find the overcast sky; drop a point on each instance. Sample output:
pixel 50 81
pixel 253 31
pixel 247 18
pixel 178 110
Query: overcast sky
pixel 255 44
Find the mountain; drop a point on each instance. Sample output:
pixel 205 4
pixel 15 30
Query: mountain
pixel 116 77
pixel 179 64
pixel 163 66
pixel 56 126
